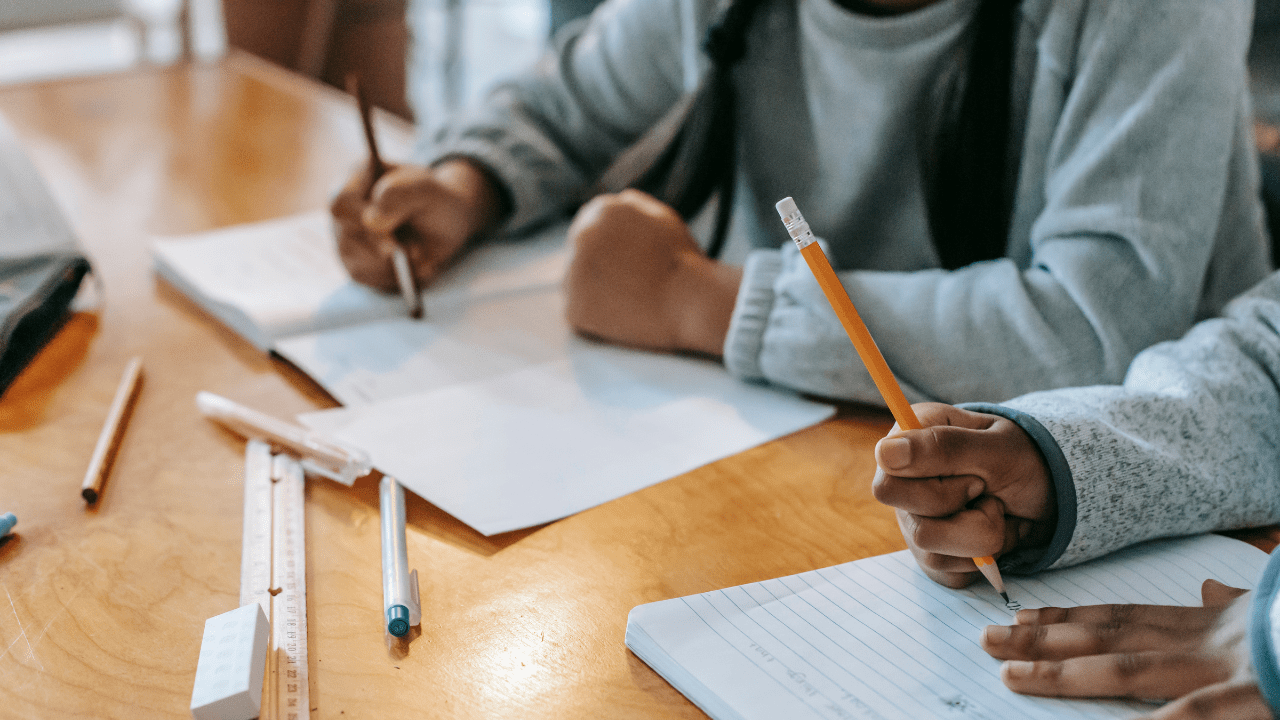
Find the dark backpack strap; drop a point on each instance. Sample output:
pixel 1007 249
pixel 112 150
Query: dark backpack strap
pixel 970 196
pixel 700 160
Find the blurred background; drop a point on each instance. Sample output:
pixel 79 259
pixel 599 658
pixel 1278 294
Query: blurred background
pixel 418 58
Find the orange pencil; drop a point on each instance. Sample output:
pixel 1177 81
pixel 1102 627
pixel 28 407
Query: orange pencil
pixel 864 344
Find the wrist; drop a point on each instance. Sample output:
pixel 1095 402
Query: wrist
pixel 700 300
pixel 475 189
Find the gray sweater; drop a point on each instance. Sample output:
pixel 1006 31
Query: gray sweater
pixel 1136 210
pixel 1190 442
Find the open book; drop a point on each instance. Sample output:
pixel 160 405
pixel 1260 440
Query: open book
pixel 877 639
pixel 282 278
pixel 490 407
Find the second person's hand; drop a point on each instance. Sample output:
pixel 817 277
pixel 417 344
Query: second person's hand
pixel 432 212
pixel 1199 655
pixel 968 485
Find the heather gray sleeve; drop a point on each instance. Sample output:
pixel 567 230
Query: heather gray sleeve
pixel 1136 177
pixel 549 133
pixel 1190 442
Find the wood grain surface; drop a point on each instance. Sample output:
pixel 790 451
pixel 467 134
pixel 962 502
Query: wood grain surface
pixel 102 607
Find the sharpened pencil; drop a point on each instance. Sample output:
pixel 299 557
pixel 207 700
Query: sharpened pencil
pixel 112 431
pixel 864 344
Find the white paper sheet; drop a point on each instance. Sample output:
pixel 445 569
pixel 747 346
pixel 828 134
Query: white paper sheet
pixel 550 440
pixel 463 338
pixel 489 407
pixel 875 638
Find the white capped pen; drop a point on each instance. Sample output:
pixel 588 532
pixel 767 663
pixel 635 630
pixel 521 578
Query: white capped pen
pixel 319 455
pixel 400 599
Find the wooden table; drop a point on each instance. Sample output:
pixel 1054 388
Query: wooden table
pixel 103 607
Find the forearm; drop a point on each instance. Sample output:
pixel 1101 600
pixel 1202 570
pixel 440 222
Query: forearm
pixel 1188 444
pixel 984 333
pixel 548 134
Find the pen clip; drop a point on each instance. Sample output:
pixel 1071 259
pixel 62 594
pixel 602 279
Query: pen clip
pixel 415 601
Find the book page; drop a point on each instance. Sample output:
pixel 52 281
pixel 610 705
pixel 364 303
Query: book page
pixel 272 279
pixel 876 638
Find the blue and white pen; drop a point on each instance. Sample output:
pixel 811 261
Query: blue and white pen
pixel 399 586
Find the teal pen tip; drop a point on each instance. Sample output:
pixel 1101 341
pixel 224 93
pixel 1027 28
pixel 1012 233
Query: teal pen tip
pixel 7 521
pixel 398 620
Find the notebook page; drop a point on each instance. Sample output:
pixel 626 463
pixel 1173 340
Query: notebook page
pixel 272 279
pixel 875 638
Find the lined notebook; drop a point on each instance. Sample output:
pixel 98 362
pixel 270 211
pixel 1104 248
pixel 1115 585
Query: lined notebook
pixel 876 639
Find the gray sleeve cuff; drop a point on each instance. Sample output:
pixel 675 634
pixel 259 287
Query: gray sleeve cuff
pixel 1033 560
pixel 745 339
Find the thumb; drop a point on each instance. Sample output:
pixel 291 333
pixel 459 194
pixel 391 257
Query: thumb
pixel 395 198
pixel 1216 594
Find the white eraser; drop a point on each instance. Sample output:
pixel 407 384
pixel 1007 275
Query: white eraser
pixel 233 658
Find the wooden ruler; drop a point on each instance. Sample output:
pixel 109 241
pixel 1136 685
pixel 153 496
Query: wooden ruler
pixel 273 573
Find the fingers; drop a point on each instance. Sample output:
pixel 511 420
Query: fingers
pixel 1216 594
pixel 1222 701
pixel 611 217
pixel 351 199
pixel 937 471
pixel 1150 675
pixel 946 448
pixel 951 449
pixel 400 194
pixel 1188 619
pixel 409 207
pixel 367 257
pixel 1061 641
pixel 933 497
pixel 975 532
pixel 946 570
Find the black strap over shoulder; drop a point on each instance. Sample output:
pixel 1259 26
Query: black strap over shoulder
pixel 700 159
pixel 968 194
pixel 970 197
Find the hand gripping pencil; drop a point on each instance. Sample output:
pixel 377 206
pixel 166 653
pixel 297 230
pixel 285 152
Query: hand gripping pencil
pixel 399 260
pixel 863 343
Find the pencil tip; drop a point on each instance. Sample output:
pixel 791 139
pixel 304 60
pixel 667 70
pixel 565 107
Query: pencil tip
pixel 1005 595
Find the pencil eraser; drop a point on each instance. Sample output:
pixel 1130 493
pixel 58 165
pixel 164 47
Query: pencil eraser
pixel 233 658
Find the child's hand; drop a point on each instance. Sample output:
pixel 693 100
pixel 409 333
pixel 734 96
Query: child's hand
pixel 431 212
pixel 1199 655
pixel 638 278
pixel 967 485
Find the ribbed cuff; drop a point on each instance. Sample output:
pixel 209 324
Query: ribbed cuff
pixel 745 339
pixel 1032 561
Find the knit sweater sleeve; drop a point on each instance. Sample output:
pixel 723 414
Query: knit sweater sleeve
pixel 1189 443
pixel 1136 167
pixel 547 134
